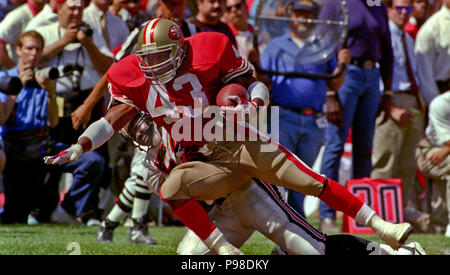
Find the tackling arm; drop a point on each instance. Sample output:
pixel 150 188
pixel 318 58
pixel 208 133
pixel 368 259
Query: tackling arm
pixel 82 115
pixel 96 134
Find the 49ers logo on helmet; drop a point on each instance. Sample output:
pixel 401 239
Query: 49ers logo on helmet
pixel 175 32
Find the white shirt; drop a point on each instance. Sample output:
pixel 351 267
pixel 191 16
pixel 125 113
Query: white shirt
pixel 117 29
pixel 438 129
pixel 400 79
pixel 45 17
pixel 433 52
pixel 244 40
pixel 12 27
pixel 72 54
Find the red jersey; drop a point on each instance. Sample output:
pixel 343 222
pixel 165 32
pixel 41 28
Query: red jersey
pixel 211 61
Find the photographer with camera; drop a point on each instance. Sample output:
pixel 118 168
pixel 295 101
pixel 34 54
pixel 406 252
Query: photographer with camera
pixel 12 25
pixel 28 113
pixel 70 42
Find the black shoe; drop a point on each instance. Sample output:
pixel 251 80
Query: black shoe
pixel 105 231
pixel 138 233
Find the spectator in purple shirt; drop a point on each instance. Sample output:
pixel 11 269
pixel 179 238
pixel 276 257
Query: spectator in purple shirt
pixel 369 42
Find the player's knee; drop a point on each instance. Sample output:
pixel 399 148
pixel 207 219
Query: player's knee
pixel 172 188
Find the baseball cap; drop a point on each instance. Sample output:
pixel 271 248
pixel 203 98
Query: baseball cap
pixel 306 5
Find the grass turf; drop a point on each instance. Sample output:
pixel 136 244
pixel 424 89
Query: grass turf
pixel 50 239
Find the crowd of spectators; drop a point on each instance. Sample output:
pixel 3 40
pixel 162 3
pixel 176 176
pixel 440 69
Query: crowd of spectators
pixel 397 60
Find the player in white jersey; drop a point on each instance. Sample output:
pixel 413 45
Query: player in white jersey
pixel 236 215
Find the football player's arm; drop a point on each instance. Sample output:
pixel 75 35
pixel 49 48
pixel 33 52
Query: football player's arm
pixel 82 115
pixel 97 133
pixel 258 91
pixel 238 70
pixel 333 105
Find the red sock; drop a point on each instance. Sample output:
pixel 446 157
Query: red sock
pixel 195 218
pixel 339 198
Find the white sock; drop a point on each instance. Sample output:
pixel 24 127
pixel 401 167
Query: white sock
pixel 140 208
pixel 116 214
pixel 364 215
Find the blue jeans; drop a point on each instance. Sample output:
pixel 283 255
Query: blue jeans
pixel 360 97
pixel 300 135
pixel 87 171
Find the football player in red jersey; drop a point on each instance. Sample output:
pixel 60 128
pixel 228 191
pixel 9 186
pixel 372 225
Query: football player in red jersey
pixel 235 216
pixel 166 78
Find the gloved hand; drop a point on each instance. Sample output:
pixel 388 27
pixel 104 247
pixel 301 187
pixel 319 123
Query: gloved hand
pixel 70 154
pixel 243 105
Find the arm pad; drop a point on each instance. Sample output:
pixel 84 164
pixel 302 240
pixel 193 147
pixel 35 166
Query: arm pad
pixel 259 90
pixel 98 133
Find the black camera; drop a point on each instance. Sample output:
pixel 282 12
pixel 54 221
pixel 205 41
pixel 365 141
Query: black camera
pixel 10 85
pixel 58 72
pixel 49 73
pixel 76 71
pixel 84 27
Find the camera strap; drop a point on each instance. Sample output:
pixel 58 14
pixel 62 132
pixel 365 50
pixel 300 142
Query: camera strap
pixel 76 83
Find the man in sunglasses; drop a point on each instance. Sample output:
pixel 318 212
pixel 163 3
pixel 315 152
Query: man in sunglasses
pixel 369 43
pixel 301 100
pixel 236 16
pixel 395 140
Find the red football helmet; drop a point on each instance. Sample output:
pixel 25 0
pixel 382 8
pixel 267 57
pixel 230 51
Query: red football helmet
pixel 161 50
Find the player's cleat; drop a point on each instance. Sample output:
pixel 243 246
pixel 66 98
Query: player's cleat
pixel 105 231
pixel 138 233
pixel 394 235
pixel 60 216
pixel 32 220
pixel 413 248
pixel 93 222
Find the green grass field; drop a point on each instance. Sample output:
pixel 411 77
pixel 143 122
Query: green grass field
pixel 57 240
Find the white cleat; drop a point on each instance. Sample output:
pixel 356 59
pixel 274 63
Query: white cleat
pixel 413 248
pixel 395 235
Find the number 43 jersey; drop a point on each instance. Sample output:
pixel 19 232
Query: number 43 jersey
pixel 211 61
